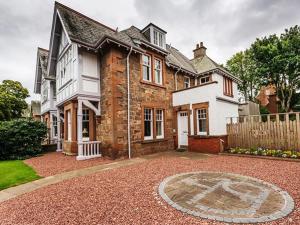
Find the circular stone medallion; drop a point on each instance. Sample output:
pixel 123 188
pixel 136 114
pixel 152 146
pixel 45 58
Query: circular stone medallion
pixel 226 197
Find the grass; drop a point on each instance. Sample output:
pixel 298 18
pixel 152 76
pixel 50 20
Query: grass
pixel 15 172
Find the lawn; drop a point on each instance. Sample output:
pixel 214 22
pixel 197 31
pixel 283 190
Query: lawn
pixel 15 172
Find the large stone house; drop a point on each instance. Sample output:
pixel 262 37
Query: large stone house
pixel 127 92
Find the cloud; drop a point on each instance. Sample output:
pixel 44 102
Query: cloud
pixel 225 27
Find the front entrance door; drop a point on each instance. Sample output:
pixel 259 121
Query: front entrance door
pixel 182 128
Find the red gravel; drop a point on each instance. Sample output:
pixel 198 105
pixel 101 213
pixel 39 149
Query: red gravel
pixel 56 162
pixel 128 195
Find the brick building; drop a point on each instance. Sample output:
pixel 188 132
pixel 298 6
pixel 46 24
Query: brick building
pixel 128 93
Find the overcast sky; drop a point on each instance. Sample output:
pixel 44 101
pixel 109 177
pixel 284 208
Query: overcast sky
pixel 225 26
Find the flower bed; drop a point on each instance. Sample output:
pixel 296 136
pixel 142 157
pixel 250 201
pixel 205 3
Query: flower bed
pixel 266 152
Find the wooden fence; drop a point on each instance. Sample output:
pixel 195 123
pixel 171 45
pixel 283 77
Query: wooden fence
pixel 273 131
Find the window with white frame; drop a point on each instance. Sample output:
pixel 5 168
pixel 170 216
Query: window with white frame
pixel 54 125
pixel 158 38
pixel 148 125
pixel 158 71
pixel 85 125
pixel 69 124
pixel 187 82
pixel 203 80
pixel 45 92
pixel 146 68
pixel 202 121
pixel 64 67
pixel 159 123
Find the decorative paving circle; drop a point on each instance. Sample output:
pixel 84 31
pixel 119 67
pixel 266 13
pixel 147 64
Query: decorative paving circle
pixel 226 197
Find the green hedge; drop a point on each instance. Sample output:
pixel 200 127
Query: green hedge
pixel 21 138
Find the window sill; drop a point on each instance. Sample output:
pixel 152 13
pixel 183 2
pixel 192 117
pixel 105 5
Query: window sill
pixel 153 141
pixel 228 95
pixel 152 84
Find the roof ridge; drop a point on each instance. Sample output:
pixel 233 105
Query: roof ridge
pixel 80 14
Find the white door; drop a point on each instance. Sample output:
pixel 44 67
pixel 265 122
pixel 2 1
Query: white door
pixel 182 128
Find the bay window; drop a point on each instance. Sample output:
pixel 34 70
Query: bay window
pixel 158 71
pixel 146 68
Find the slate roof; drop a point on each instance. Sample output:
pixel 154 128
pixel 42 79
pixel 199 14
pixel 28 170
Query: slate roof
pixel 43 57
pixel 84 30
pixel 205 64
pixel 42 60
pixel 178 59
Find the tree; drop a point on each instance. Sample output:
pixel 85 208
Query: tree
pixel 278 63
pixel 12 99
pixel 243 66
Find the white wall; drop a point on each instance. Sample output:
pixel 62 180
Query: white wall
pixel 218 110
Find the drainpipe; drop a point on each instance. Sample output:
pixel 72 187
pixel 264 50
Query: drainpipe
pixel 176 78
pixel 128 104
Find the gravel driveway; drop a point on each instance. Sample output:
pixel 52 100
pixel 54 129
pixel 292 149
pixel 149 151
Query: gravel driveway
pixel 128 195
pixel 56 162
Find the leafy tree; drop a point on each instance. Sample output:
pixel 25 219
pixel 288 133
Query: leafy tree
pixel 12 99
pixel 21 138
pixel 278 63
pixel 243 66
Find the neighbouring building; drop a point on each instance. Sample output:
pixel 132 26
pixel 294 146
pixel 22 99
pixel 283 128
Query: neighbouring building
pixel 267 98
pixel 127 92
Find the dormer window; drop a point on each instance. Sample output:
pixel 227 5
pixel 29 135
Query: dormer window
pixel 155 35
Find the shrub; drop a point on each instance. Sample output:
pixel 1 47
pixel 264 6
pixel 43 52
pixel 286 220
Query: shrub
pixel 21 138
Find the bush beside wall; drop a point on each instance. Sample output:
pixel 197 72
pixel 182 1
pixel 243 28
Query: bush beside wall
pixel 21 138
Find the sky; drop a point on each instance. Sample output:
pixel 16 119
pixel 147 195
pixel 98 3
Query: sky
pixel 224 26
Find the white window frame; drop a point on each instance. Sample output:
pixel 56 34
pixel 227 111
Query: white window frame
pixel 155 37
pixel 202 118
pixel 54 125
pixel 158 38
pixel 148 66
pixel 158 69
pixel 147 118
pixel 85 114
pixel 159 118
pixel 204 80
pixel 187 82
pixel 69 124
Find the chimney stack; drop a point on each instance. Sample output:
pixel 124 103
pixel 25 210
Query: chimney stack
pixel 200 50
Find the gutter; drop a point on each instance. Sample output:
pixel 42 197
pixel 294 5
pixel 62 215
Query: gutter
pixel 175 77
pixel 128 103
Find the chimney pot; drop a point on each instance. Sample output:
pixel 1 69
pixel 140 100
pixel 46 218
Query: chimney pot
pixel 200 50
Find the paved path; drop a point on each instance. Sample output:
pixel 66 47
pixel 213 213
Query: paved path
pixel 13 192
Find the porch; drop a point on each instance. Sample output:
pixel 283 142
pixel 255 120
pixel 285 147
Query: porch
pixel 77 128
